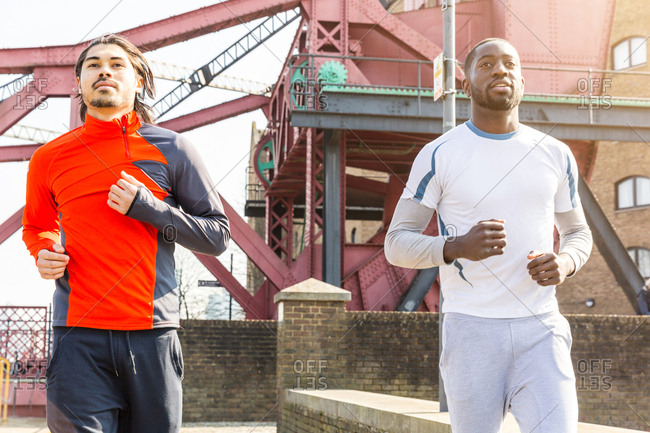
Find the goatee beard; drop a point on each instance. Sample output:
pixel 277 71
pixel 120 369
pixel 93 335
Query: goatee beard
pixel 486 101
pixel 103 102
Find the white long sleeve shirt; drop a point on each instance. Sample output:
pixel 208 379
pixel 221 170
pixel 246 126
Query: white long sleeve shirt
pixel 526 178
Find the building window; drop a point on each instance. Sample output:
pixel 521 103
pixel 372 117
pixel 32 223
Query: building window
pixel 641 257
pixel 630 52
pixel 412 5
pixel 633 192
pixel 354 235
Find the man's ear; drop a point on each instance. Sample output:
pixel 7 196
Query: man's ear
pixel 466 87
pixel 140 81
pixel 79 84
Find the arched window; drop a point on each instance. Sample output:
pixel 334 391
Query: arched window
pixel 641 257
pixel 633 192
pixel 354 235
pixel 630 52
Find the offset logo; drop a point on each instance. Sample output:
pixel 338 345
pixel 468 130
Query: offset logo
pixel 310 374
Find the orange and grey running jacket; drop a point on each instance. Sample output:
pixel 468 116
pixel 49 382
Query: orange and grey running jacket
pixel 121 270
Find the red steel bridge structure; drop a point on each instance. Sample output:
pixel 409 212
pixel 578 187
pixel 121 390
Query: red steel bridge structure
pixel 354 93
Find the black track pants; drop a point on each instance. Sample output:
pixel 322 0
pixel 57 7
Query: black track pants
pixel 114 381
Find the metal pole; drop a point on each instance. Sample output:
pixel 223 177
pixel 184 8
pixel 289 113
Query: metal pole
pixel 449 62
pixel 230 300
pixel 49 331
pixel 332 208
pixel 448 123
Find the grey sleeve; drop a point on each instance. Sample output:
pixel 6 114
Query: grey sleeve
pixel 405 245
pixel 575 236
pixel 201 225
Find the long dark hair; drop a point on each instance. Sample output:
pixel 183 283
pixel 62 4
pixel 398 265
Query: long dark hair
pixel 141 66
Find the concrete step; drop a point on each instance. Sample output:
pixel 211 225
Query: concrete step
pixel 398 414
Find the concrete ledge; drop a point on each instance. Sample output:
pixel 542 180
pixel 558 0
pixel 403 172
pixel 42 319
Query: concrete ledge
pixel 313 290
pixel 397 414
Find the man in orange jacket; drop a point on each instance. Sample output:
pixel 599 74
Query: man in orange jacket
pixel 106 203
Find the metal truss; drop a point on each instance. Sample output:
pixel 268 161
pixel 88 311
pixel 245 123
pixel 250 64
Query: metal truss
pixel 30 133
pixel 279 230
pixel 14 86
pixel 205 74
pixel 168 71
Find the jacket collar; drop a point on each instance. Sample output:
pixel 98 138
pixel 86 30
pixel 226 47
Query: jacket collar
pixel 128 123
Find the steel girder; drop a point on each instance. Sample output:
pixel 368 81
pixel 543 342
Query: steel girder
pixel 313 198
pixel 410 113
pixel 51 81
pixel 152 36
pixel 279 225
pixel 252 306
pixel 614 252
pixel 21 152
pixel 216 113
pixel 332 245
pixel 396 30
pixel 187 122
pixel 11 225
pixel 254 247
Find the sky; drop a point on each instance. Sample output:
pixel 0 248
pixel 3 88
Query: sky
pixel 224 146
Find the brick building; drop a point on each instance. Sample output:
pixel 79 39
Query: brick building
pixel 621 176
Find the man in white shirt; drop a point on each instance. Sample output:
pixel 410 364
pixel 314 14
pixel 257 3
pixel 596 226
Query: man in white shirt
pixel 498 188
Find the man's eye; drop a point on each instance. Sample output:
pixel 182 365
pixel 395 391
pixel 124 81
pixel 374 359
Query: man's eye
pixel 485 64
pixel 118 65
pixel 92 65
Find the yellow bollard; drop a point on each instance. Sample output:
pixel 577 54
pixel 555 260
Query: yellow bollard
pixel 4 388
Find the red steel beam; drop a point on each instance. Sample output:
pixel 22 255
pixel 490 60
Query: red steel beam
pixel 239 293
pixel 214 114
pixel 54 81
pixel 152 36
pixel 180 124
pixel 17 106
pixel 21 152
pixel 254 247
pixel 365 184
pixel 403 34
pixel 11 225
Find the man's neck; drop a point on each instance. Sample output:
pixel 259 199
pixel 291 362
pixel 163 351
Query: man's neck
pixel 107 114
pixel 495 122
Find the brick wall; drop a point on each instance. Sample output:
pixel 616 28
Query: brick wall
pixel 300 419
pixel 391 353
pixel 611 356
pixel 396 353
pixel 229 370
pixel 230 367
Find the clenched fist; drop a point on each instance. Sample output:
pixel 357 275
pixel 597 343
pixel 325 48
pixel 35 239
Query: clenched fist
pixel 123 192
pixel 483 240
pixel 51 265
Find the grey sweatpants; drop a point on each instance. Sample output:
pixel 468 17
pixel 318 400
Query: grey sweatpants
pixel 114 381
pixel 522 365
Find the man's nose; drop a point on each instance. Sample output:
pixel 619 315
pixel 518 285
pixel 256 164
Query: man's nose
pixel 105 72
pixel 500 69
